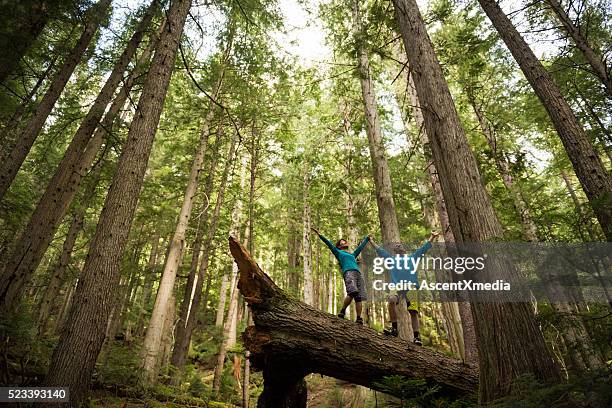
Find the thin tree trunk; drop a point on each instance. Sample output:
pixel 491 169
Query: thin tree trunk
pixel 58 195
pixel 380 167
pixel 596 123
pixel 67 302
pixel 197 246
pixel 58 277
pixel 194 282
pixel 595 180
pixel 530 230
pixel 10 165
pixel 222 299
pixel 585 218
pixel 167 335
pixel 183 338
pixel 147 289
pixel 153 337
pixel 596 61
pixel 229 328
pixel 75 356
pixel 246 380
pixel 502 357
pixel 306 244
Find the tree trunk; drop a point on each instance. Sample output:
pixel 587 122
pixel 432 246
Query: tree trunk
pixel 291 339
pixel 530 230
pixel 380 167
pixel 229 328
pixel 183 338
pixel 246 380
pixel 194 283
pixel 597 63
pixel 460 330
pixel 9 166
pixel 306 244
pixel 152 340
pixel 75 356
pixel 147 289
pixel 58 277
pixel 595 180
pixel 222 299
pixel 501 328
pixel 585 218
pixel 58 195
pixel 167 335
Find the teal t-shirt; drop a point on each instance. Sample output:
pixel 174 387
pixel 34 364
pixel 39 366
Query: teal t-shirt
pixel 407 273
pixel 347 260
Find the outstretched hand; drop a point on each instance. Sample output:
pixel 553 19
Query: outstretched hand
pixel 434 235
pixel 316 231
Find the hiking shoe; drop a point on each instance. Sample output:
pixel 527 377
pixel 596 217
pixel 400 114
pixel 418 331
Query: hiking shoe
pixel 341 315
pixel 359 321
pixel 391 331
pixel 417 341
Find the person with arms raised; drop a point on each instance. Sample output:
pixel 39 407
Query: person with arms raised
pixel 407 273
pixel 353 280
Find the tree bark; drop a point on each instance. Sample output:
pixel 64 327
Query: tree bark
pixel 183 338
pixel 222 299
pixel 501 328
pixel 530 230
pixel 189 292
pixel 79 345
pixel 152 340
pixel 468 335
pixel 291 339
pixel 595 180
pixel 380 167
pixel 306 244
pixel 147 288
pixel 60 192
pixel 10 165
pixel 58 277
pixel 596 61
pixel 229 328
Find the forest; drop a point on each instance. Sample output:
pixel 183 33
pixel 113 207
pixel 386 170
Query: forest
pixel 193 193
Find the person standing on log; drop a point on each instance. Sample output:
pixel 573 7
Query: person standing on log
pixel 407 273
pixel 353 280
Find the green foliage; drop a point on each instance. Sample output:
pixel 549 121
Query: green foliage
pixel 591 390
pixel 197 388
pixel 412 392
pixel 119 364
pixel 27 356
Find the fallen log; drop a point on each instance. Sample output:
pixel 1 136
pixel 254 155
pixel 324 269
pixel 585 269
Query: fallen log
pixel 291 339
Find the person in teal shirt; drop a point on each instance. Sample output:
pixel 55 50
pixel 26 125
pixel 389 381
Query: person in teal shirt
pixel 353 280
pixel 408 274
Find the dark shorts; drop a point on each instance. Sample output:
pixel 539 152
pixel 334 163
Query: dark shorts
pixel 355 286
pixel 411 301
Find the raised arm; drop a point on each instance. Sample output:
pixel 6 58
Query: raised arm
pixel 379 249
pixel 327 242
pixel 421 251
pixel 361 245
